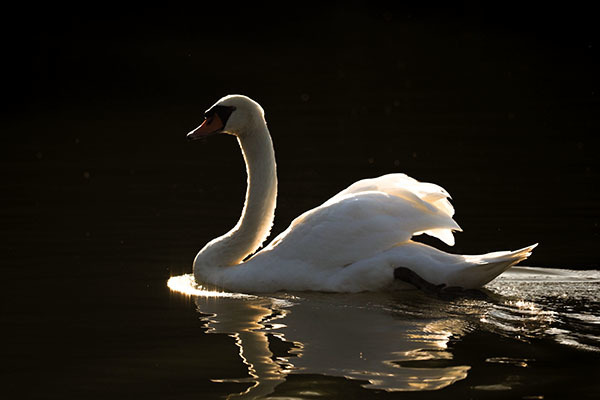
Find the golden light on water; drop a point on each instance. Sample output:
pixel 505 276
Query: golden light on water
pixel 525 305
pixel 186 284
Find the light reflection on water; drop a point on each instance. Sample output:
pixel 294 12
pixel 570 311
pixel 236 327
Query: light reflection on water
pixel 186 284
pixel 561 304
pixel 397 341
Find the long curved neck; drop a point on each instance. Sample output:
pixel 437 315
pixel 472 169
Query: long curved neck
pixel 257 217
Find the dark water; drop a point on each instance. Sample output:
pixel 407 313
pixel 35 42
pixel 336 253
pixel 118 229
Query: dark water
pixel 102 200
pixel 532 333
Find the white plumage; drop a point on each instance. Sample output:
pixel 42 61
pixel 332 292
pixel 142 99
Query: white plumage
pixel 352 242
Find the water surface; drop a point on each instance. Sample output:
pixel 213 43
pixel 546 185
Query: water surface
pixel 530 333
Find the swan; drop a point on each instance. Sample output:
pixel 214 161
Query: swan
pixel 359 240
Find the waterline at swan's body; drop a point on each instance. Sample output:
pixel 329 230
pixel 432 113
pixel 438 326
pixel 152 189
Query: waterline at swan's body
pixel 353 242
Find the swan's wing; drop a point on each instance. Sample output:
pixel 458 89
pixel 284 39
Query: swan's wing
pixel 353 226
pixel 402 185
pixel 398 184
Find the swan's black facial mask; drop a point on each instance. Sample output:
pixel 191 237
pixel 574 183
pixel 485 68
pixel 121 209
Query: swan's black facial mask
pixel 215 120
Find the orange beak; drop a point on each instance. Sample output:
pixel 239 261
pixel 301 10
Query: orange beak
pixel 209 127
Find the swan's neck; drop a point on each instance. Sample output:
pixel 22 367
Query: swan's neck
pixel 259 208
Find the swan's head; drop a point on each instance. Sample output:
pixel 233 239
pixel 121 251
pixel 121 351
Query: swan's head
pixel 233 114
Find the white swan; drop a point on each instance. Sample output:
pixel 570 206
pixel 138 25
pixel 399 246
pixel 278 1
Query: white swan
pixel 358 240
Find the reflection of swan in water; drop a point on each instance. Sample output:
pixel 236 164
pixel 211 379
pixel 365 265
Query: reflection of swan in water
pixel 334 338
pixel 397 341
pixel 356 241
pixel 356 336
pixel 245 320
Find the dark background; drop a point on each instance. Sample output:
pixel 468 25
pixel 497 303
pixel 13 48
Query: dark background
pixel 497 102
pixel 103 199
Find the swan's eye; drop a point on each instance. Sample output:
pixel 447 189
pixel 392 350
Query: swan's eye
pixel 222 112
pixel 209 115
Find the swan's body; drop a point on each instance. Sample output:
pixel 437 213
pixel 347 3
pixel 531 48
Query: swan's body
pixel 352 242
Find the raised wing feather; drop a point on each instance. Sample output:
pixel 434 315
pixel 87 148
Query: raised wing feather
pixel 425 194
pixel 400 184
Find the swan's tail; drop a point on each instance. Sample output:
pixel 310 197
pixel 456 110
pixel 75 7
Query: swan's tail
pixel 481 269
